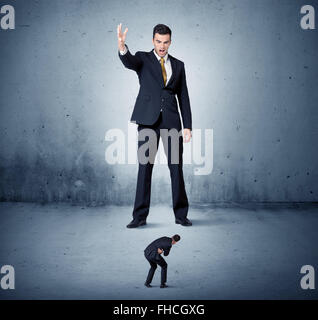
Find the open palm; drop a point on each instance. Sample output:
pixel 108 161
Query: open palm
pixel 121 36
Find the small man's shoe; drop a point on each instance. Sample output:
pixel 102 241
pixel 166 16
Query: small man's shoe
pixel 136 223
pixel 148 285
pixel 163 285
pixel 186 222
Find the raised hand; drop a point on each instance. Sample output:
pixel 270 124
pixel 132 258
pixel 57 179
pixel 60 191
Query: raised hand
pixel 121 37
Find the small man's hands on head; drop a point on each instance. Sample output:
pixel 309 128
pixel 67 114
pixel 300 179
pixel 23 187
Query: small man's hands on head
pixel 121 37
pixel 160 251
pixel 187 135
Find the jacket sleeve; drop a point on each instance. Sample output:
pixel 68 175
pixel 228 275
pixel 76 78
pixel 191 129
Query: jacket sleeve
pixel 133 62
pixel 184 101
pixel 166 251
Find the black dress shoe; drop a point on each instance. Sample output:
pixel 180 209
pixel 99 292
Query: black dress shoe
pixel 186 222
pixel 163 286
pixel 136 223
pixel 148 285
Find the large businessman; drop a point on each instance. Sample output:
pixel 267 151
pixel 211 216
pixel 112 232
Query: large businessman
pixel 161 78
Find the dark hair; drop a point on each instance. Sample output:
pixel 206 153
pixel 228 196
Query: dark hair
pixel 161 29
pixel 176 237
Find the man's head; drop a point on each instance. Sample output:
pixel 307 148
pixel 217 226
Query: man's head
pixel 161 39
pixel 175 238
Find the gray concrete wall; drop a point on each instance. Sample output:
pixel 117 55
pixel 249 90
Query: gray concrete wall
pixel 251 73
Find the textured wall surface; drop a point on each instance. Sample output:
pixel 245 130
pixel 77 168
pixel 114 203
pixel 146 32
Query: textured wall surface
pixel 252 76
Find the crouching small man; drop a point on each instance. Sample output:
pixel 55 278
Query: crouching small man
pixel 153 255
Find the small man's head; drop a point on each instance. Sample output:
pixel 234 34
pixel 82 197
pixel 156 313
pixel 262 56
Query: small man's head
pixel 175 238
pixel 161 39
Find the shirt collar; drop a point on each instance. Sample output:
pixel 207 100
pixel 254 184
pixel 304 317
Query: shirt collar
pixel 158 57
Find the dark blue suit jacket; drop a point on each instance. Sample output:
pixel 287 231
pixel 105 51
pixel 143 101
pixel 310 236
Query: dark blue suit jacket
pixel 154 96
pixel 164 243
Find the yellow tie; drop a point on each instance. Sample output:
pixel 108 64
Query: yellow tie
pixel 164 73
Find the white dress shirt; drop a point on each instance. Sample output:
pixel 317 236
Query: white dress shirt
pixel 167 62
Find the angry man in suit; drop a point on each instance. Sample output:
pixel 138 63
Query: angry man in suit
pixel 161 77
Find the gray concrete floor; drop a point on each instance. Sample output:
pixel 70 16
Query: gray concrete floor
pixel 230 252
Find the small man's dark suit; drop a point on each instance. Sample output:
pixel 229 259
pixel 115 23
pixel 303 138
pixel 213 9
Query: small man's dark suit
pixel 156 108
pixel 154 258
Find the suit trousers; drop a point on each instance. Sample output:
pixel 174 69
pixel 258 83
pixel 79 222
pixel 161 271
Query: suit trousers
pixel 173 148
pixel 154 261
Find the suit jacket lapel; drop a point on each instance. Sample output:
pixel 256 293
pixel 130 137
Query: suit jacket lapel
pixel 157 68
pixel 173 67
